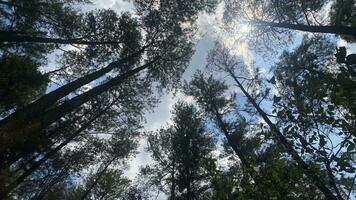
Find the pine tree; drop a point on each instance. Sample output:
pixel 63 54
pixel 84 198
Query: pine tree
pixel 180 152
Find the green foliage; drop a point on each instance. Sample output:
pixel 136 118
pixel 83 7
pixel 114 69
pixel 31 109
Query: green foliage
pixel 209 92
pixel 57 18
pixel 342 13
pixel 315 108
pixel 180 10
pixel 112 185
pixel 180 153
pixel 20 82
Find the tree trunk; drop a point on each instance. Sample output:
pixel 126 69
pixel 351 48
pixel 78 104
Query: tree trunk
pixel 237 150
pixel 309 172
pixel 339 30
pixel 189 191
pixel 13 36
pixel 14 136
pixel 173 187
pixel 42 104
pixel 7 3
pixel 47 188
pixel 14 158
pixel 88 190
pixel 52 152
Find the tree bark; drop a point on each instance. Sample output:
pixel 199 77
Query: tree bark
pixel 339 30
pixel 309 172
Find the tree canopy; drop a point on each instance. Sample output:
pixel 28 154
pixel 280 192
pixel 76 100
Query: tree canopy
pixel 263 101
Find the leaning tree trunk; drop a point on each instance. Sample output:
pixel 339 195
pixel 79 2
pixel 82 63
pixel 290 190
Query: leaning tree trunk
pixel 339 30
pixel 15 37
pixel 237 149
pixel 14 135
pixel 308 171
pixel 39 106
pixel 52 152
pixel 27 151
pixel 90 188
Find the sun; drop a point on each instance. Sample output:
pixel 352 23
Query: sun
pixel 243 28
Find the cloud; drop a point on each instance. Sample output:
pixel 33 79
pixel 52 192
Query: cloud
pixel 117 5
pixel 213 25
pixel 123 6
pixel 209 24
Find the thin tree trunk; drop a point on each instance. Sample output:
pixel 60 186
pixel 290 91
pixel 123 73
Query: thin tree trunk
pixel 173 187
pixel 327 166
pixel 237 150
pixel 233 145
pixel 59 178
pixel 339 30
pixel 351 188
pixel 56 113
pixel 16 136
pixel 332 178
pixel 7 3
pixel 88 190
pixel 189 192
pixel 309 172
pixel 48 74
pixel 12 36
pixel 52 152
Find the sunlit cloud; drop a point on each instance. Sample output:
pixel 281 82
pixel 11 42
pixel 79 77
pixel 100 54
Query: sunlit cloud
pixel 215 26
